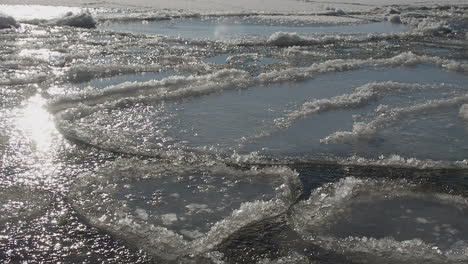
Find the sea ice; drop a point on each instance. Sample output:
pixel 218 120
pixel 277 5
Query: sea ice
pixel 82 20
pixel 391 219
pixel 7 22
pixel 464 111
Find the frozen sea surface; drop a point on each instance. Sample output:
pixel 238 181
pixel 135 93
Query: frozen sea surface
pixel 316 133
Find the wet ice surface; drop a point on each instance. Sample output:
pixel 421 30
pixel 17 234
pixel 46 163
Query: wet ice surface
pixel 119 145
pixel 405 219
pixel 183 210
pixel 230 119
pixel 380 216
pixel 230 28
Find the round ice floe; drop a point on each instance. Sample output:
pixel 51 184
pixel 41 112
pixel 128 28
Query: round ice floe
pixel 138 109
pixel 172 210
pixel 20 203
pixel 388 221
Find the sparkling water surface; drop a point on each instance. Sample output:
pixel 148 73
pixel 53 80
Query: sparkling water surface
pixel 346 145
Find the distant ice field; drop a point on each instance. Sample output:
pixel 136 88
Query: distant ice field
pixel 196 132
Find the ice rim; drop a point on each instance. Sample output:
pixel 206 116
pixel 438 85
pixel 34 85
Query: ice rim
pixel 327 200
pixel 70 108
pixel 114 217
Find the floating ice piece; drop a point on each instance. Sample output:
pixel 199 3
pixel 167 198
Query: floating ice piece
pixel 392 221
pixel 129 199
pixel 286 39
pixel 334 11
pixel 464 111
pixel 395 19
pixel 422 28
pixel 431 27
pixel 366 130
pixel 83 73
pixel 394 161
pixel 338 65
pixel 174 87
pixel 393 11
pixel 402 162
pixel 83 20
pixel 363 95
pixel 22 77
pixel 7 22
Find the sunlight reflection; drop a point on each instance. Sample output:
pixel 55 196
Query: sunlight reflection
pixel 37 124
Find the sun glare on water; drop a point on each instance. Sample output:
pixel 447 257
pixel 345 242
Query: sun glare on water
pixel 37 124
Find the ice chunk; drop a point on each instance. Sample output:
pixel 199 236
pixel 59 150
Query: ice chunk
pixel 7 22
pixel 284 39
pixel 168 219
pixel 83 20
pixel 393 11
pixel 464 111
pixel 395 19
pixel 431 27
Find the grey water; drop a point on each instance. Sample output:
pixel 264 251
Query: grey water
pixel 229 28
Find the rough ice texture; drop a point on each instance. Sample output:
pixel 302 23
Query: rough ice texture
pixel 171 88
pixel 115 216
pixel 394 161
pixel 421 28
pixel 83 73
pixel 395 19
pixel 464 111
pixel 327 203
pixel 385 118
pixel 363 95
pixel 402 162
pixel 7 22
pixel 82 20
pixel 338 65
